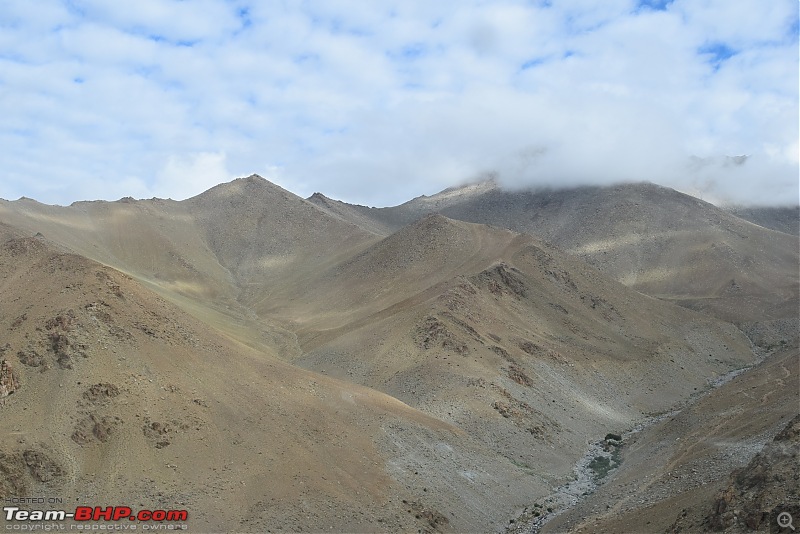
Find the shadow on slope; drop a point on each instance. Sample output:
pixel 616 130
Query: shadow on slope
pixel 124 398
pixel 676 475
pixel 651 238
pixel 527 349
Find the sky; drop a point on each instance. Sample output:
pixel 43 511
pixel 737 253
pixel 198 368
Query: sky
pixel 376 102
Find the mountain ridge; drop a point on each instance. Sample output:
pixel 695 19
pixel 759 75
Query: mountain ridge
pixel 446 371
pixel 654 239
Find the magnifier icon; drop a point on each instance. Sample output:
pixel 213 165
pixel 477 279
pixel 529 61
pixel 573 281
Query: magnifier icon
pixel 785 520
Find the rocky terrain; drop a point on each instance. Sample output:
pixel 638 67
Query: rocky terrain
pixel 275 363
pixel 768 486
pixel 125 398
pixel 654 239
pixel 673 474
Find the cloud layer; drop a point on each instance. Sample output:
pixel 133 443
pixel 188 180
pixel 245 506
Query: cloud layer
pixel 376 102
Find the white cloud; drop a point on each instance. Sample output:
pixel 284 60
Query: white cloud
pixel 388 100
pixel 186 176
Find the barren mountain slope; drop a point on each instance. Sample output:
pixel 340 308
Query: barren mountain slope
pixel 526 348
pixel 125 400
pixel 358 215
pixel 156 241
pixel 676 476
pixel 431 251
pixel 759 494
pixel 506 355
pixel 782 219
pixel 651 238
pixel 151 239
pixel 261 232
pixel 8 232
pixel 216 242
pixel 238 241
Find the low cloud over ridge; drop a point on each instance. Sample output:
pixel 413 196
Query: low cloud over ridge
pixel 380 103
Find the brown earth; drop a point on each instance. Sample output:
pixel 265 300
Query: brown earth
pixel 254 443
pixel 273 363
pixel 651 238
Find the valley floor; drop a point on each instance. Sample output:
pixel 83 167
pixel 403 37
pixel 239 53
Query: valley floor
pixel 674 470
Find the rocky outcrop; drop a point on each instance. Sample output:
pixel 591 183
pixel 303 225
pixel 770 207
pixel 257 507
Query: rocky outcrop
pixel 767 485
pixel 8 380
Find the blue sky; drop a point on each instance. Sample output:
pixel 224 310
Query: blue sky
pixel 377 102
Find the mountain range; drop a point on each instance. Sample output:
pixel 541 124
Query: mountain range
pixel 270 362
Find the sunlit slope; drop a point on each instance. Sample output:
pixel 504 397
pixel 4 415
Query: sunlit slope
pixel 250 241
pixel 234 243
pixel 261 232
pixel 153 239
pixel 455 366
pixel 651 238
pixel 387 273
pixel 125 399
pixel 524 347
pixel 215 242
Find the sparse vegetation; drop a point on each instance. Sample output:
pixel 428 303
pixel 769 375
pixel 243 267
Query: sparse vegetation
pixel 602 465
pixel 522 465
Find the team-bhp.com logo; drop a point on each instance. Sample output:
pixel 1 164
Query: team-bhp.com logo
pixel 97 513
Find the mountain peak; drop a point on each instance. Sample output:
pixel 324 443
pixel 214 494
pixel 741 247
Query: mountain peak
pixel 470 187
pixel 318 197
pixel 253 186
pixel 453 195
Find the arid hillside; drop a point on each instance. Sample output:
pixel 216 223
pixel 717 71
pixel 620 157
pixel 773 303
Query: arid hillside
pixel 782 219
pixel 711 467
pixel 275 363
pixel 651 238
pixel 533 353
pixel 123 398
pixel 238 241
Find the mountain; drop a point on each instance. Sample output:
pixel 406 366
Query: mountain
pixel 125 398
pixel 258 230
pixel 651 238
pixel 520 345
pixel 783 219
pixel 725 463
pixel 205 254
pixel 311 365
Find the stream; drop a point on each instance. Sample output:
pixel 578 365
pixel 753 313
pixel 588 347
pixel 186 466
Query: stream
pixel 590 472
